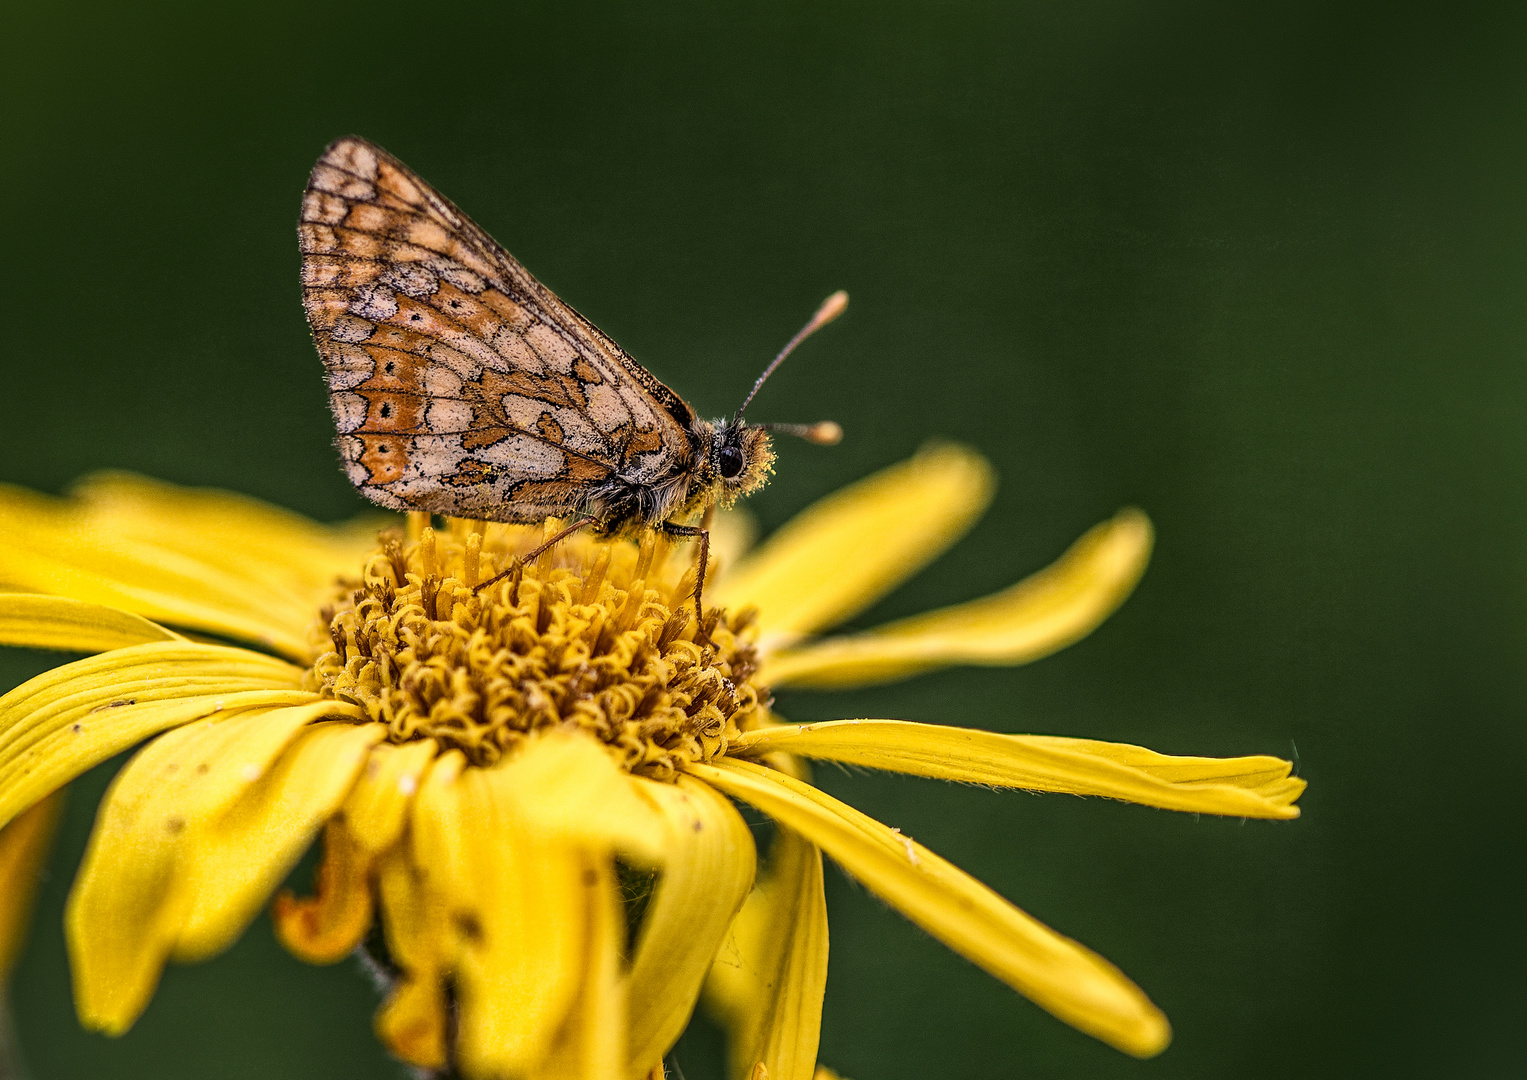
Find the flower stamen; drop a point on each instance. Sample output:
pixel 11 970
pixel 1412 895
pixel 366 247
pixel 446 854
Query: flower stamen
pixel 592 634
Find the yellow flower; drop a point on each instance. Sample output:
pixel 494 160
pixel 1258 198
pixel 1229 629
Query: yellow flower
pixel 515 780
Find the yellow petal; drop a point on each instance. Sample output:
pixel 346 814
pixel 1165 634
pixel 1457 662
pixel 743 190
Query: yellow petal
pixel 230 870
pixel 567 787
pixel 1056 973
pixel 517 905
pixel 412 1022
pixel 204 560
pixel 143 888
pixel 55 622
pixel 121 922
pixel 708 869
pixel 1041 614
pixel 768 983
pixel 592 1042
pixel 1240 787
pixel 254 539
pixel 377 806
pixel 843 553
pixel 24 845
pixel 326 927
pixel 54 727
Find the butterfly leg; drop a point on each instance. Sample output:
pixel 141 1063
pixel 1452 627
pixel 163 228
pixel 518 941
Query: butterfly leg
pixel 532 556
pixel 704 534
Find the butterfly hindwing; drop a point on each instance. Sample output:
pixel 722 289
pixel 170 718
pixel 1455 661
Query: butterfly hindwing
pixel 460 384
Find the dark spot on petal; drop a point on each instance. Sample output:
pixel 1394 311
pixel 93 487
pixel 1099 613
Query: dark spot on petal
pixel 175 825
pixel 469 925
pixel 203 769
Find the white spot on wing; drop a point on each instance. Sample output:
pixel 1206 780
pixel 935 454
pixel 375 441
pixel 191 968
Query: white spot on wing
pixel 639 409
pixel 578 434
pixel 606 408
pixel 411 279
pixel 523 411
pixel 374 302
pixel 513 349
pixel 349 410
pixel 447 415
pixel 462 278
pixel 324 209
pixel 327 178
pixel 440 381
pixel 550 347
pixel 350 328
pixel 459 363
pixel 352 156
pixel 528 458
pixel 348 365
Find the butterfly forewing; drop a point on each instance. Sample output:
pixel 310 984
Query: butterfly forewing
pixel 461 385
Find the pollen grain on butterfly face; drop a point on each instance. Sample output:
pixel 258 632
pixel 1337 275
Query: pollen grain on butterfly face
pixel 462 386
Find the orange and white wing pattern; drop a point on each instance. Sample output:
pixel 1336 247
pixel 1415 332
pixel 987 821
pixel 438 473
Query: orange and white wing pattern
pixel 461 385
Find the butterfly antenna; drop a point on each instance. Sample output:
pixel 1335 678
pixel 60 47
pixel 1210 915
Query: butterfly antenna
pixel 831 308
pixel 823 433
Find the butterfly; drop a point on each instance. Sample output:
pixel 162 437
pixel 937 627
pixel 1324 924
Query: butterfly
pixel 462 386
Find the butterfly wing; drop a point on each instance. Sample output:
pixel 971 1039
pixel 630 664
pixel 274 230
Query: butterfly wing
pixel 460 384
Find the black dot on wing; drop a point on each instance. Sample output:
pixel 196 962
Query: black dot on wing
pixel 386 409
pixel 382 449
pixel 415 318
pixel 389 368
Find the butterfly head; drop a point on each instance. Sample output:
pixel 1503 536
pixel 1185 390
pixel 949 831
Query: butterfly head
pixel 740 459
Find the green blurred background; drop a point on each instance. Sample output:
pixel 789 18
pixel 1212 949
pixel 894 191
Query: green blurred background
pixel 1258 269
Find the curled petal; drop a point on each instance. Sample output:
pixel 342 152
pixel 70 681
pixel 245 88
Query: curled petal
pixel 1056 973
pixel 54 727
pixel 768 983
pixel 708 868
pixel 326 927
pixel 1258 786
pixel 412 1022
pixel 24 845
pixel 35 621
pixel 844 552
pixel 1041 614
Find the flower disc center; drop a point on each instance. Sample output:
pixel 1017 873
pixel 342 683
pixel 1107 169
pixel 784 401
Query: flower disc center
pixel 595 634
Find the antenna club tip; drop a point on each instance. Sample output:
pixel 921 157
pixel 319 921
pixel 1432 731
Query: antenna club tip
pixel 825 433
pixel 831 308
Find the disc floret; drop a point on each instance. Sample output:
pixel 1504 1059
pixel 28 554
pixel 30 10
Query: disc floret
pixel 594 635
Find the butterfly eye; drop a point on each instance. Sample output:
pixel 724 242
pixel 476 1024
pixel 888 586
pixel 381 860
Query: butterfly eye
pixel 729 461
